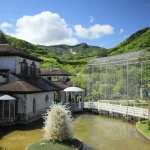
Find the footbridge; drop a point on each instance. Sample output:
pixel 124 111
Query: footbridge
pixel 113 109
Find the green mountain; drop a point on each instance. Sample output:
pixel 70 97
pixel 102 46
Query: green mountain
pixel 75 58
pixel 26 46
pixel 60 56
pixel 79 49
pixel 72 58
pixel 138 41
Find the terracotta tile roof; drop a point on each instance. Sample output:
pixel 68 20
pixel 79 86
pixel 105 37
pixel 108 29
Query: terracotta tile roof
pixel 61 84
pixel 7 50
pixel 54 72
pixel 27 84
pixel 19 86
pixel 69 83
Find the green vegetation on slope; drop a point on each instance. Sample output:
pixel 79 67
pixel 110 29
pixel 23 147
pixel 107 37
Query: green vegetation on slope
pixel 3 39
pixel 51 56
pixel 138 41
pixel 80 49
pixel 73 64
pixel 61 55
pixel 26 46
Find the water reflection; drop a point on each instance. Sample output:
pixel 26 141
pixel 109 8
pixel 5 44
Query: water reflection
pixel 17 137
pixel 97 132
pixel 103 133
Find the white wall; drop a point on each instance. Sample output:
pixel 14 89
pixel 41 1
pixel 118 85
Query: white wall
pixel 8 62
pixel 3 79
pixel 21 103
pixel 14 63
pixel 41 103
pixel 63 96
pixel 12 78
pixel 45 77
pixel 20 59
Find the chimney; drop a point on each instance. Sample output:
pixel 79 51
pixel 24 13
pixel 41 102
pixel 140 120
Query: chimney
pixel 51 68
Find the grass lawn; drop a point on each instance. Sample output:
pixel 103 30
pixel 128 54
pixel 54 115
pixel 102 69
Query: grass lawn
pixel 144 127
pixel 49 145
pixel 124 102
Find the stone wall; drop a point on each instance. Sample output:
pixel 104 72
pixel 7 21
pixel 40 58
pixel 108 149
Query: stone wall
pixel 25 106
pixel 28 61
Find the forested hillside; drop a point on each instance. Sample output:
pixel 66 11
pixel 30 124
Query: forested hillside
pixel 81 49
pixel 26 46
pixel 137 41
pixel 74 58
pixel 51 54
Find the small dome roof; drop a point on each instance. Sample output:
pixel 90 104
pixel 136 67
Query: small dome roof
pixel 7 97
pixel 73 89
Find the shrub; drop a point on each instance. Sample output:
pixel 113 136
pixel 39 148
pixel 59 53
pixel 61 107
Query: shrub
pixel 137 101
pixel 141 119
pixel 148 125
pixel 58 124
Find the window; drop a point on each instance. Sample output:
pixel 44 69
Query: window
pixel 46 98
pixel 16 107
pixel 24 67
pixel 49 78
pixel 33 68
pixel 6 109
pixel 34 105
pixel 1 108
pixel 12 108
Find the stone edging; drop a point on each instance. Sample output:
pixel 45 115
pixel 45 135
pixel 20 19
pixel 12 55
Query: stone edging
pixel 81 145
pixel 143 134
pixel 31 144
pixel 79 148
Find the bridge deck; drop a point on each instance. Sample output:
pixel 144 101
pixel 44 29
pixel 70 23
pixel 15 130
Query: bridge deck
pixel 121 109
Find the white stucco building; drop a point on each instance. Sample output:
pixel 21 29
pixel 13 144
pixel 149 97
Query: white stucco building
pixel 24 94
pixel 55 74
pixel 74 98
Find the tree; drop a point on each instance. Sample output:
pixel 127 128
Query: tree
pixel 3 39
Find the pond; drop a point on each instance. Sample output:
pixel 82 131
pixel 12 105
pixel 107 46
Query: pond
pixel 97 132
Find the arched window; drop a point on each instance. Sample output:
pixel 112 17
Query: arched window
pixel 1 109
pixel 34 105
pixel 46 98
pixel 33 68
pixel 24 67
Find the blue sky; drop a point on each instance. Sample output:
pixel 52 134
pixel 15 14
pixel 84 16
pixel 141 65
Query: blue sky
pixel 96 22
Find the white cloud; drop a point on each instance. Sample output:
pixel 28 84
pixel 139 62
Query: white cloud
pixel 45 28
pixel 121 31
pixel 91 19
pixel 5 25
pixel 93 32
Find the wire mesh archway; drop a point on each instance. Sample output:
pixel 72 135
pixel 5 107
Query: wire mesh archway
pixel 121 79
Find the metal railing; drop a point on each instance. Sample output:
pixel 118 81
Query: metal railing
pixel 121 109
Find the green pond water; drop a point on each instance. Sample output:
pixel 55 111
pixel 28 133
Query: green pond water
pixel 97 132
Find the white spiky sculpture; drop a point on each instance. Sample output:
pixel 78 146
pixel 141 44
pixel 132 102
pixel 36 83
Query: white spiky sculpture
pixel 58 124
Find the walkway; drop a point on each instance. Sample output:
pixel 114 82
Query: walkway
pixel 120 109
